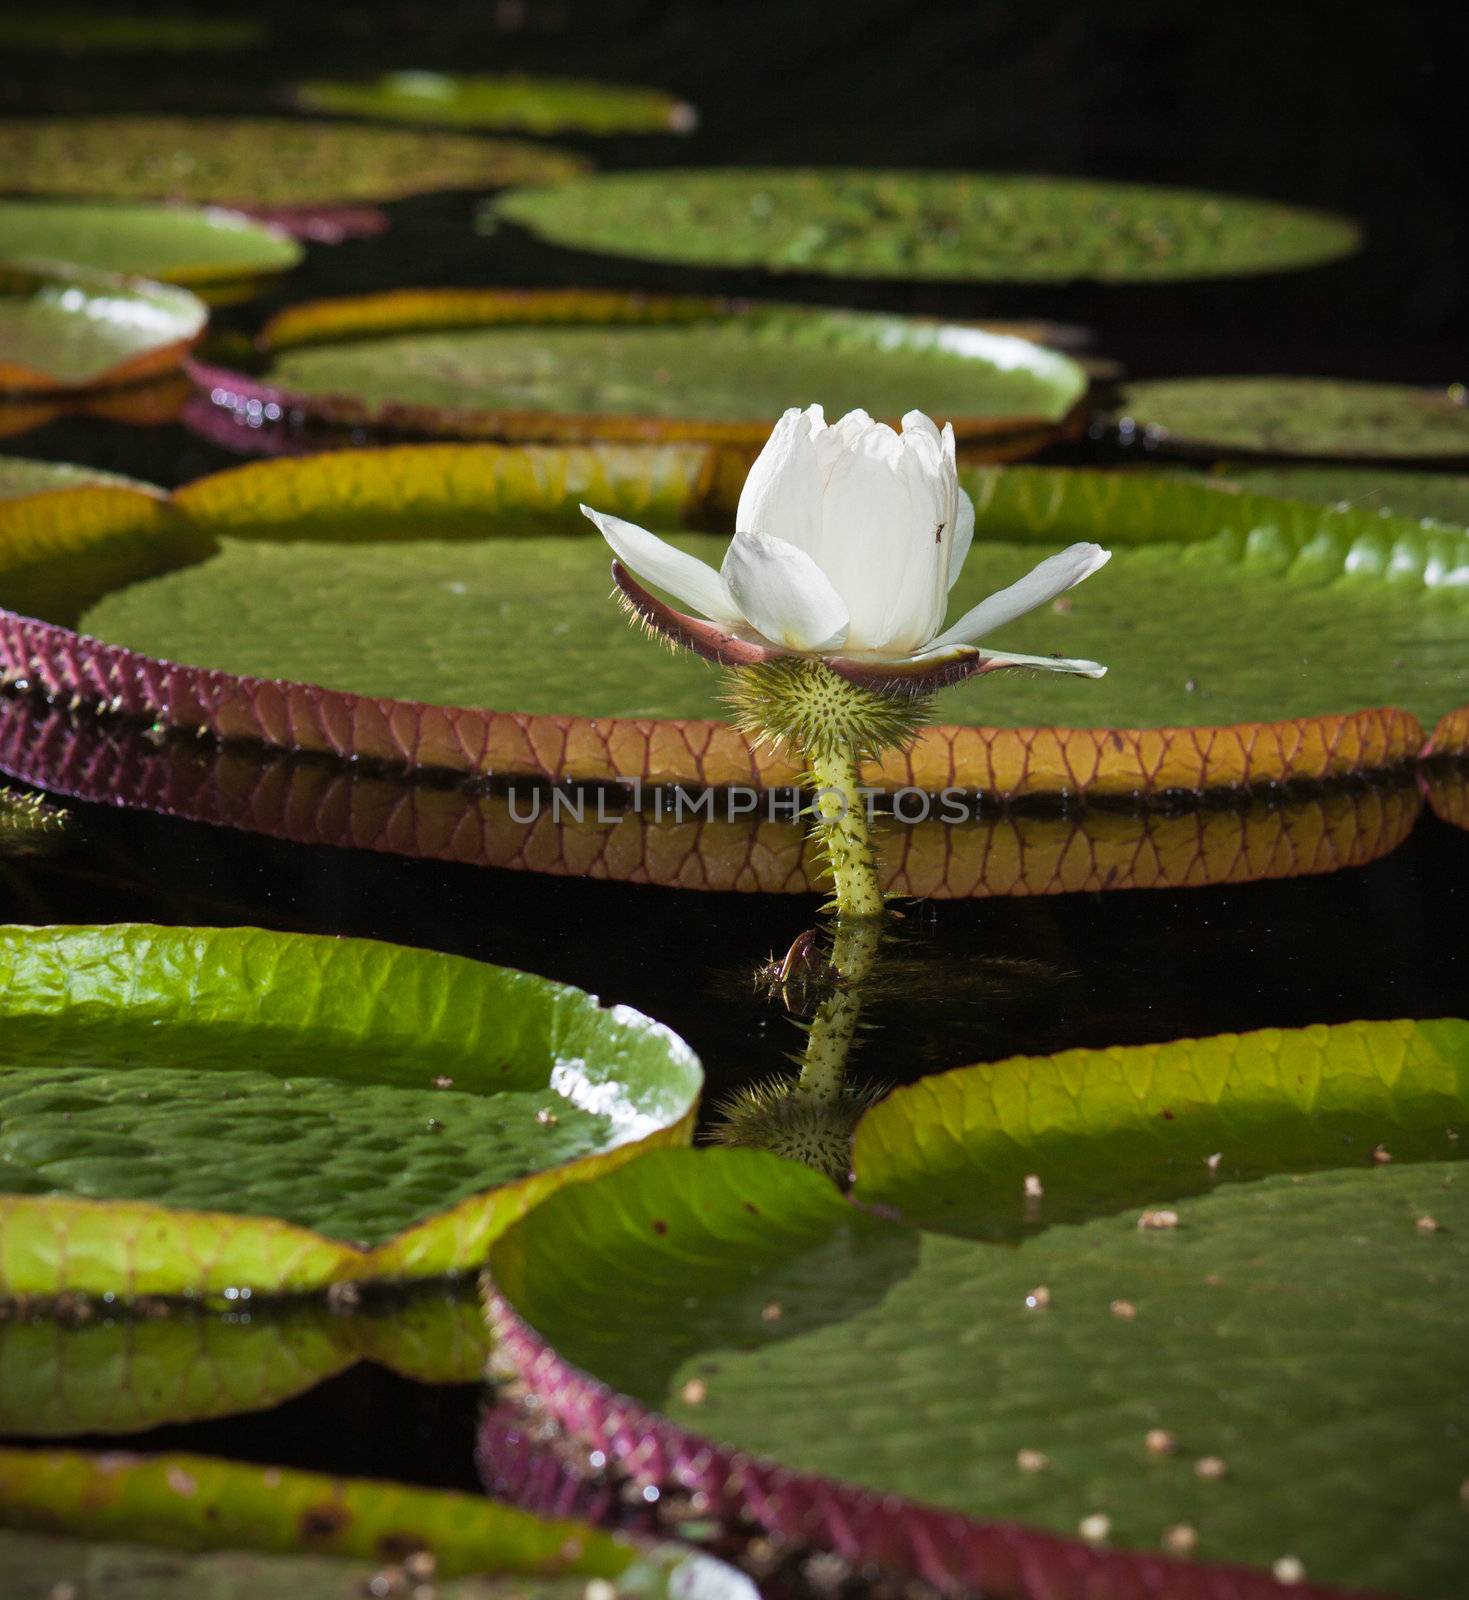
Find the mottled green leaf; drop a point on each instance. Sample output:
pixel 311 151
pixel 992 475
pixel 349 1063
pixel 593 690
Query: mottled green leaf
pixel 19 476
pixel 63 330
pixel 1298 417
pixel 192 1110
pixel 179 244
pixel 254 1531
pixel 1304 1327
pixel 738 365
pixel 101 1370
pixel 515 103
pixel 262 161
pixel 854 222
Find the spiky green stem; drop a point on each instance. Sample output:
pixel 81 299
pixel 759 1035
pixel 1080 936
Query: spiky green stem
pixel 839 822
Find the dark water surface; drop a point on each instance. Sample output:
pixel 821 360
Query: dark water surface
pixel 1360 121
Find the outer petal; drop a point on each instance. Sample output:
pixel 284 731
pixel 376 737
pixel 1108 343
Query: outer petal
pixel 685 577
pixel 784 594
pixel 963 535
pixel 707 639
pixel 782 494
pixel 926 674
pixel 1055 575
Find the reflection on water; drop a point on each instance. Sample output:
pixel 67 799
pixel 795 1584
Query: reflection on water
pixel 720 841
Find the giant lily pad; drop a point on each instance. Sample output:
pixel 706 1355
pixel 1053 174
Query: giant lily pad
pixel 257 161
pixel 192 1111
pixel 176 1527
pixel 572 365
pixel 441 606
pixel 179 244
pixel 853 222
pixel 1272 634
pixel 517 103
pixel 90 330
pixel 1298 1323
pixel 1437 496
pixel 112 1372
pixel 702 840
pixel 1298 417
pixel 21 476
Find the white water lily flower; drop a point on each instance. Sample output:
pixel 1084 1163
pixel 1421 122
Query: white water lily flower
pixel 848 540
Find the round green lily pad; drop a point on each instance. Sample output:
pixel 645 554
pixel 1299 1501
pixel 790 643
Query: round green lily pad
pixel 1263 616
pixel 62 1377
pixel 179 244
pixel 90 330
pixel 178 1527
pixel 572 364
pixel 19 476
pixel 1436 496
pixel 319 1108
pixel 258 161
pixel 1298 417
pixel 854 222
pixel 522 104
pixel 1196 1261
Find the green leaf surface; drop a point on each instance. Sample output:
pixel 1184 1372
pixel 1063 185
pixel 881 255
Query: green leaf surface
pixel 511 102
pixel 1216 608
pixel 852 222
pixel 273 1531
pixel 312 1085
pixel 745 366
pixel 1302 1327
pixel 1299 417
pixel 106 1371
pixel 179 244
pixel 1437 496
pixel 265 161
pixel 20 476
pixel 84 330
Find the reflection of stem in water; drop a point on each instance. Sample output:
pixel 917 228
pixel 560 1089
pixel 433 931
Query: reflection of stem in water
pixel 812 1119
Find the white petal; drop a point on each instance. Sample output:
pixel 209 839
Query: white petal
pixel 963 535
pixel 691 581
pixel 917 423
pixel 784 594
pixel 1008 658
pixel 1055 575
pixel 782 494
pixel 878 548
